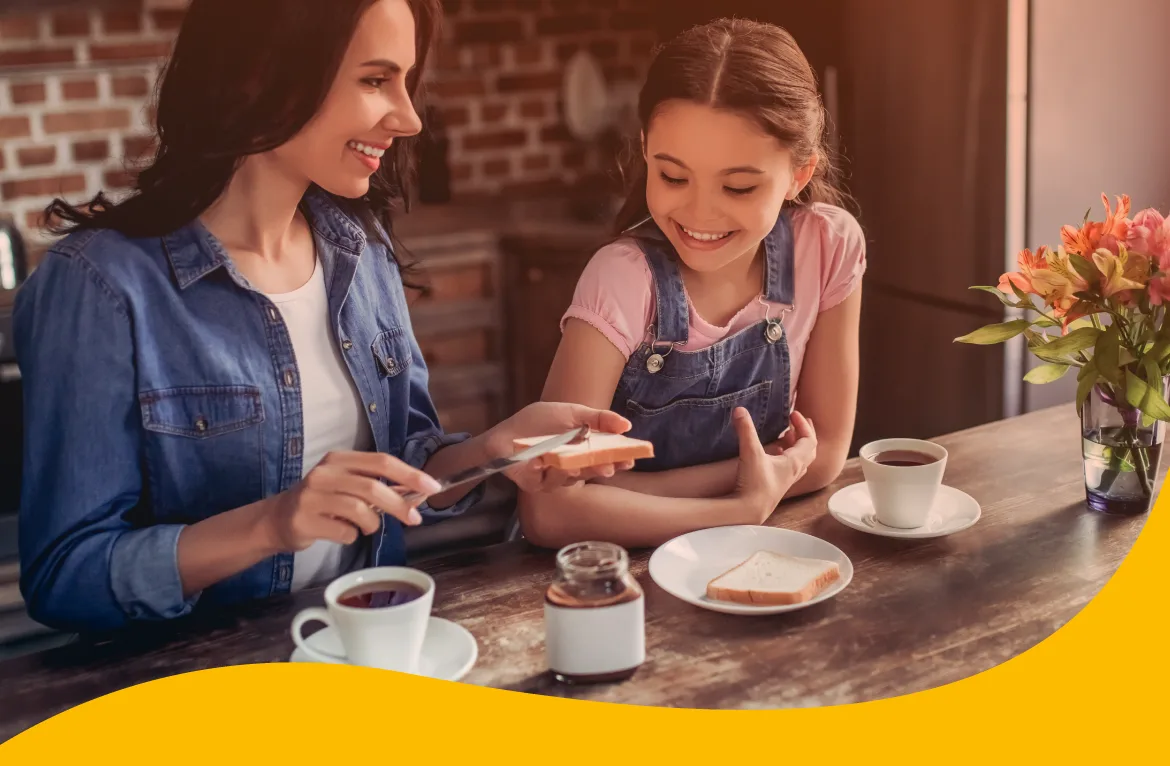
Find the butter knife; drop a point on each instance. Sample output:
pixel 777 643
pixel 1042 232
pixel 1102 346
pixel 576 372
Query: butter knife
pixel 479 472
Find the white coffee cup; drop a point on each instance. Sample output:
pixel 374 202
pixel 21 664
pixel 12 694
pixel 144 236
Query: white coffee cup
pixel 903 495
pixel 387 637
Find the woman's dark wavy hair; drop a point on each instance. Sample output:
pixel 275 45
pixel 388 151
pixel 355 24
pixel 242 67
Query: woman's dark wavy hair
pixel 244 77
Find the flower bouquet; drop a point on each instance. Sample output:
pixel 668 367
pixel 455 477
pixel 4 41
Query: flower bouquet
pixel 1097 304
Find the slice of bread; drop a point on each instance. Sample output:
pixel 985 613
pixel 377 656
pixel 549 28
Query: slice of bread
pixel 768 579
pixel 597 449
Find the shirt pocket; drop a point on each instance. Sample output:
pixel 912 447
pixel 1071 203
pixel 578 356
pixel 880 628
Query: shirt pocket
pixel 392 353
pixel 204 447
pixel 694 430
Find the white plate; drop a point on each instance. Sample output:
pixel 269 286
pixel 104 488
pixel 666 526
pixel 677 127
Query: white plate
pixel 449 650
pixel 953 512
pixel 684 566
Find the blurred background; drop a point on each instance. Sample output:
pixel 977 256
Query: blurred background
pixel 969 128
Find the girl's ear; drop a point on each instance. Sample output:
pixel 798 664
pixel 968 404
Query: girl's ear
pixel 801 178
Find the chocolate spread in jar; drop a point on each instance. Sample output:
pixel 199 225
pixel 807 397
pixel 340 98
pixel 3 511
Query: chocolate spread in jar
pixel 594 616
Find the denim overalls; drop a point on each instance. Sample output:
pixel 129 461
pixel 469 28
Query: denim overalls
pixel 682 400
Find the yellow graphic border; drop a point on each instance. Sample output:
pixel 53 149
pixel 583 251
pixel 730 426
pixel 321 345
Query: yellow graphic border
pixel 1094 690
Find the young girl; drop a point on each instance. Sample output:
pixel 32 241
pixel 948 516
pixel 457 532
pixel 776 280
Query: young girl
pixel 732 293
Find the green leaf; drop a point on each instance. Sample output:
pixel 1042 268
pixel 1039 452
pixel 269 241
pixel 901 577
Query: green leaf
pixel 1077 340
pixel 1046 373
pixel 1086 268
pixel 1004 299
pixel 1077 324
pixel 1046 322
pixel 995 333
pixel 1025 299
pixel 1152 374
pixel 1145 398
pixel 1088 378
pixel 1107 354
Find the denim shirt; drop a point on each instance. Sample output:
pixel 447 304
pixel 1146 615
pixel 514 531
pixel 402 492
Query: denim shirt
pixel 161 389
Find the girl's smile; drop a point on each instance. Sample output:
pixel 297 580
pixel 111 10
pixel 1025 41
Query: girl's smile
pixel 704 240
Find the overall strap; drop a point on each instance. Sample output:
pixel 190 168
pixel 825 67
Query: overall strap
pixel 672 316
pixel 780 261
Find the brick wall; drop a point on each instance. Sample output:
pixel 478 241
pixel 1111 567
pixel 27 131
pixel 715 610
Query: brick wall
pixel 74 89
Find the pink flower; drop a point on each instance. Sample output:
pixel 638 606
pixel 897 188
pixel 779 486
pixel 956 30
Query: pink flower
pixel 1159 290
pixel 1149 233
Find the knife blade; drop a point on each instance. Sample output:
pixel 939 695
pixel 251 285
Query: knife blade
pixel 479 472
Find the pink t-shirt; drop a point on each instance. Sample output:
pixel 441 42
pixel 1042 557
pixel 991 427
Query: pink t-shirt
pixel 615 293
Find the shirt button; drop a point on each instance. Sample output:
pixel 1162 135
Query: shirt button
pixel 285 572
pixel 347 345
pixel 288 378
pixel 294 447
pixel 201 425
pixel 272 313
pixel 391 365
pixel 373 407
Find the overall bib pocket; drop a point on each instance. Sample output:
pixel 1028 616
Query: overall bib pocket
pixel 694 430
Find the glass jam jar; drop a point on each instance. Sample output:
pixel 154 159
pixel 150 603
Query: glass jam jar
pixel 594 616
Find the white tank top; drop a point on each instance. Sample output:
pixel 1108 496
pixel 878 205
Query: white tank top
pixel 333 416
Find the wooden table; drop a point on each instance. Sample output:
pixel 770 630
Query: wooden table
pixel 918 614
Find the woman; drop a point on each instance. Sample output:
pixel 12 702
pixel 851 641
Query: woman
pixel 221 374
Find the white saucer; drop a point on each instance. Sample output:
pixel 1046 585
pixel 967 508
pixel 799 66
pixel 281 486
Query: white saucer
pixel 683 566
pixel 449 650
pixel 953 512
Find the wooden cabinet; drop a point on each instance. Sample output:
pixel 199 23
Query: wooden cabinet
pixel 457 321
pixel 540 274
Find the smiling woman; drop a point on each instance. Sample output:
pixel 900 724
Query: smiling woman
pixel 221 375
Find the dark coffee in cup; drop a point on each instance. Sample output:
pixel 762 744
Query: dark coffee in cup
pixel 377 595
pixel 903 457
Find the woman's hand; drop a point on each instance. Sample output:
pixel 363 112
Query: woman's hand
pixel 766 474
pixel 549 419
pixel 338 498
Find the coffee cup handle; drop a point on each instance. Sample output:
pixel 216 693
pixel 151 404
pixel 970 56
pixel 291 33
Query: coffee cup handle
pixel 313 614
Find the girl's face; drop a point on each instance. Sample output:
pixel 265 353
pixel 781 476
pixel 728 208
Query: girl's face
pixel 716 182
pixel 366 108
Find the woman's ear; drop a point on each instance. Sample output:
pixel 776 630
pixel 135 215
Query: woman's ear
pixel 802 177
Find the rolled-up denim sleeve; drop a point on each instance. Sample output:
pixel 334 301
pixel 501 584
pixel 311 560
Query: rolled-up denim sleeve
pixel 84 565
pixel 426 437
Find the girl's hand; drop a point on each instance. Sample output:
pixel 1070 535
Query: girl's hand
pixel 548 419
pixel 766 475
pixel 337 499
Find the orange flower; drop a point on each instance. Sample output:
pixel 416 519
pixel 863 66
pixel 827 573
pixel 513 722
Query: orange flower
pixel 1121 272
pixel 1058 281
pixel 1022 279
pixel 1094 235
pixel 1069 310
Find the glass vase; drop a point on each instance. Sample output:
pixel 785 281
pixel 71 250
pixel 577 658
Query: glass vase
pixel 1122 454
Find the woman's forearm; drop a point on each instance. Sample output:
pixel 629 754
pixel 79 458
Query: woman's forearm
pixel 453 458
pixel 621 516
pixel 223 545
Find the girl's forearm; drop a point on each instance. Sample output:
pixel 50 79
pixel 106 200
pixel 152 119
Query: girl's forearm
pixel 628 518
pixel 710 480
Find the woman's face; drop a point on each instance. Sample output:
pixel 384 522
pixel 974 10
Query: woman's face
pixel 366 109
pixel 716 182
